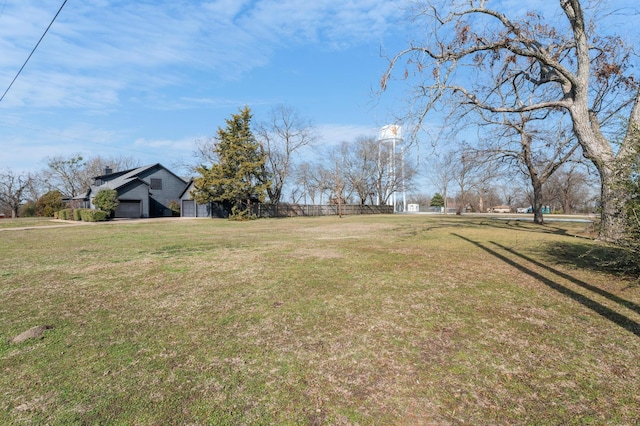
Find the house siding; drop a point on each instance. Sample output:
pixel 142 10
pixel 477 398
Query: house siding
pixel 136 191
pixel 160 199
pixel 191 209
pixel 134 185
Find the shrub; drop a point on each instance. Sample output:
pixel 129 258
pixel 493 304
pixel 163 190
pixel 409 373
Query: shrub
pixel 50 203
pixel 174 206
pixel 77 214
pixel 240 215
pixel 88 215
pixel 107 200
pixel 631 239
pixel 65 214
pixel 98 215
pixel 85 215
pixel 28 209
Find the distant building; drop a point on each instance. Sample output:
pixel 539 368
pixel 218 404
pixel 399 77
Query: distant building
pixel 500 209
pixel 142 192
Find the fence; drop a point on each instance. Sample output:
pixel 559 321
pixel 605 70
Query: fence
pixel 293 210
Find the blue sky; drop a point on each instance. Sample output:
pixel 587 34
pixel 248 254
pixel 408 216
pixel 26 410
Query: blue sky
pixel 148 78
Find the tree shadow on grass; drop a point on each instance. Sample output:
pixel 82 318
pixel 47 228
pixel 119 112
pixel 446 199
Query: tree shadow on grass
pixel 622 302
pixel 583 231
pixel 608 313
pixel 600 258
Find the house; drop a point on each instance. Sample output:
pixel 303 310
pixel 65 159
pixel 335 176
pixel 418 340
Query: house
pixel 500 209
pixel 189 207
pixel 142 192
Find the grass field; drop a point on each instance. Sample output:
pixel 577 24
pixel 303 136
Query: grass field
pixel 30 222
pixel 360 320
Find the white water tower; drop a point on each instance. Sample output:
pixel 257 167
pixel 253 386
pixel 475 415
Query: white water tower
pixel 391 134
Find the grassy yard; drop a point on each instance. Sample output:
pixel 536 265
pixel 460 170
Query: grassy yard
pixel 30 222
pixel 359 320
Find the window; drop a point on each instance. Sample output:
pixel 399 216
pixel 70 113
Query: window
pixel 156 183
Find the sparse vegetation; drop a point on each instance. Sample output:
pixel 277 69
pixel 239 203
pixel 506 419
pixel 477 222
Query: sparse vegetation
pixel 174 206
pixel 402 319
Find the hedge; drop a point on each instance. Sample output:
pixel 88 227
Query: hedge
pixel 93 215
pixel 65 214
pixel 85 215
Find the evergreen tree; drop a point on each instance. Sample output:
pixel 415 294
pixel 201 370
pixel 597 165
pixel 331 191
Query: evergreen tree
pixel 437 200
pixel 236 175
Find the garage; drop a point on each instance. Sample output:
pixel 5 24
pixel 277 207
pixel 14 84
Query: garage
pixel 204 210
pixel 188 208
pixel 129 208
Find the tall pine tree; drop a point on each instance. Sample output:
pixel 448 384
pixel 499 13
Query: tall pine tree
pixel 236 178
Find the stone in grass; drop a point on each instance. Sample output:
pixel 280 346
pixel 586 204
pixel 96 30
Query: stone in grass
pixel 36 332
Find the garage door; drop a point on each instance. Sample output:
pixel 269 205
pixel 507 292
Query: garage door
pixel 129 209
pixel 204 210
pixel 188 208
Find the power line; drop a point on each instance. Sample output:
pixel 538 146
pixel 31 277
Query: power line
pixel 33 51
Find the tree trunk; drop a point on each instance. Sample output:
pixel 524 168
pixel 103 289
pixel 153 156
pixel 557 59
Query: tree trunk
pixel 612 202
pixel 612 170
pixel 537 202
pixel 566 202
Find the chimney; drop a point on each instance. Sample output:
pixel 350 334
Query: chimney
pixel 107 170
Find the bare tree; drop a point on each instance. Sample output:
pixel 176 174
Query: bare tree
pixel 326 182
pixel 13 190
pixel 73 175
pixel 486 171
pixel 66 174
pixel 305 179
pixel 205 152
pixel 568 68
pixel 359 162
pixel 533 146
pixel 316 181
pixel 421 199
pixel 283 135
pixel 441 172
pixel 471 170
pixel 96 166
pixel 569 188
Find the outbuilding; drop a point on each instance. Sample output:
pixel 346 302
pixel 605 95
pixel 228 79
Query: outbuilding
pixel 189 207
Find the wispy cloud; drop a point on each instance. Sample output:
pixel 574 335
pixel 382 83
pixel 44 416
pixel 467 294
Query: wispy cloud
pixel 97 49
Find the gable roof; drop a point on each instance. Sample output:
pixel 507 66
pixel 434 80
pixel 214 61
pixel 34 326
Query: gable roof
pixel 186 188
pixel 122 178
pixel 118 180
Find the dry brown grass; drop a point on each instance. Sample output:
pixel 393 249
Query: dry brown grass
pixel 359 320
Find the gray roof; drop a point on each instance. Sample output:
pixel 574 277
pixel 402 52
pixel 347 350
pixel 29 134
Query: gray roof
pixel 118 180
pixel 124 178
